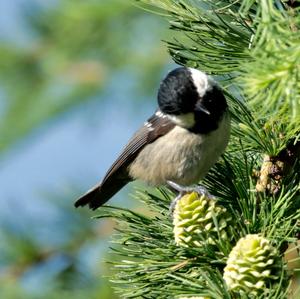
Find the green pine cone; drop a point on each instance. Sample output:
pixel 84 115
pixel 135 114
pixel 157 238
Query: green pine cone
pixel 199 219
pixel 252 265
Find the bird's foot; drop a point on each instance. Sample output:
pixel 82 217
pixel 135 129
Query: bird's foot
pixel 173 204
pixel 185 190
pixel 188 189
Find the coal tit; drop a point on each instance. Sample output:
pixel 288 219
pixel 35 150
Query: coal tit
pixel 180 142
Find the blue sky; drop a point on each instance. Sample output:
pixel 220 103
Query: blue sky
pixel 66 156
pixel 76 148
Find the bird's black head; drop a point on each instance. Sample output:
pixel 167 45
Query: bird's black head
pixel 187 91
pixel 177 93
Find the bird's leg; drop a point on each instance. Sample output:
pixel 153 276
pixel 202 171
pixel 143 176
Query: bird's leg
pixel 188 189
pixel 184 190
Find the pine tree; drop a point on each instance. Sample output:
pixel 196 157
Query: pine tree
pixel 231 245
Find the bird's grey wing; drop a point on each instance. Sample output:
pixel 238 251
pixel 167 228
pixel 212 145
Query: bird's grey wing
pixel 117 176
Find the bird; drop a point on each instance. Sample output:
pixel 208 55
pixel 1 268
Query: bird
pixel 178 144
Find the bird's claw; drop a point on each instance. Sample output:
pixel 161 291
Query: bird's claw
pixel 173 204
pixel 185 190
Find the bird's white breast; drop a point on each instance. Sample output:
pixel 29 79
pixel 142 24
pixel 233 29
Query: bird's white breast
pixel 181 156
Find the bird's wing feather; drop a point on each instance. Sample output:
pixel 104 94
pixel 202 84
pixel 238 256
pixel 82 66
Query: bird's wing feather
pixel 117 176
pixel 156 126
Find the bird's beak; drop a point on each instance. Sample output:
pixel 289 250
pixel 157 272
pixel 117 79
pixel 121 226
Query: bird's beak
pixel 201 108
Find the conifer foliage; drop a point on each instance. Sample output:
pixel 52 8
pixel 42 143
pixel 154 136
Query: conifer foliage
pixel 230 244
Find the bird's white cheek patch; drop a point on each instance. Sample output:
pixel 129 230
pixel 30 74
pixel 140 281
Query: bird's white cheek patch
pixel 185 120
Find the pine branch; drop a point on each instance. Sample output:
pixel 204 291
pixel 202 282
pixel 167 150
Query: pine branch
pixel 210 35
pixel 230 245
pixel 154 265
pixel 254 50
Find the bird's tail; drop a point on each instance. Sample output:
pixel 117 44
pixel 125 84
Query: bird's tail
pixel 100 194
